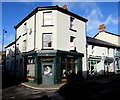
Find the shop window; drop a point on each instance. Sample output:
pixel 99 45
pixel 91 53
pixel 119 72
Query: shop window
pixel 30 66
pixel 31 70
pixel 47 40
pixel 72 65
pixel 69 65
pixel 64 67
pixel 72 43
pixel 47 18
pixel 93 66
pixel 31 60
pixel 72 24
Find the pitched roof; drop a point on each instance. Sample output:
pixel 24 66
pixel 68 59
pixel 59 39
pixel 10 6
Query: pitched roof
pixel 108 33
pixel 98 42
pixel 13 42
pixel 51 8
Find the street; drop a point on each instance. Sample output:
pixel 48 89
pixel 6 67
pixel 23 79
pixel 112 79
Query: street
pixel 100 88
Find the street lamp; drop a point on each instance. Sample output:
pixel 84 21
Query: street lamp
pixel 4 31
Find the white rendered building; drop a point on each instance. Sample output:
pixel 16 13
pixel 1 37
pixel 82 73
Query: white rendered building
pixel 49 41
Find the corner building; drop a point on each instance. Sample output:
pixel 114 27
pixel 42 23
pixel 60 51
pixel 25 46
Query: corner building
pixel 50 44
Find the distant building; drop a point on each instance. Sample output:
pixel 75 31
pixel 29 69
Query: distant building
pixel 2 60
pixel 103 52
pixel 50 44
pixel 10 58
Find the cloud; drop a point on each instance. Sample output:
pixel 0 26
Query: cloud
pixel 69 4
pixel 111 20
pixel 95 18
pixel 92 8
pixel 93 13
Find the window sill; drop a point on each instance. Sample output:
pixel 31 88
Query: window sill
pixel 73 30
pixel 47 25
pixel 73 51
pixel 47 49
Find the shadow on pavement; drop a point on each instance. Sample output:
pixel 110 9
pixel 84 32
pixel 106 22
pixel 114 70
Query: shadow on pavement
pixel 99 88
pixel 9 80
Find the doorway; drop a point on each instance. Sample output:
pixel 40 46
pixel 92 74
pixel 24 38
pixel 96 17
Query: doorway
pixel 47 73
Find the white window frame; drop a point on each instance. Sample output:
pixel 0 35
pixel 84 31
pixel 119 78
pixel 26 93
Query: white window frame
pixel 44 41
pixel 48 18
pixel 72 24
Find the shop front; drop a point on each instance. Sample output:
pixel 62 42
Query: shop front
pixel 53 66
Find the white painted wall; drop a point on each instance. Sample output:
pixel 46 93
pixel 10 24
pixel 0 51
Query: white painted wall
pixel 63 36
pixel 100 51
pixel 108 37
pixel 40 29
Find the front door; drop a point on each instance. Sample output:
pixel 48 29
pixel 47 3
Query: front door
pixel 47 73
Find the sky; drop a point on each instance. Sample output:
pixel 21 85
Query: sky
pixel 97 13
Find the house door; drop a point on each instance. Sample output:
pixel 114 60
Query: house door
pixel 47 73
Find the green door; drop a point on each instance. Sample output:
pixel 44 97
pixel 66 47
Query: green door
pixel 47 73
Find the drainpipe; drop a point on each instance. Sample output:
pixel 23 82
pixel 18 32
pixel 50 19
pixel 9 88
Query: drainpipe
pixel 35 32
pixel 15 54
pixel 114 62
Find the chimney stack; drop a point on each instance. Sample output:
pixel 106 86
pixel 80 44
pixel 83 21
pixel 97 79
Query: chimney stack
pixel 65 7
pixel 102 28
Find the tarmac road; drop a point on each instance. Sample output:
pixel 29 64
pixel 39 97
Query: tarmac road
pixel 105 88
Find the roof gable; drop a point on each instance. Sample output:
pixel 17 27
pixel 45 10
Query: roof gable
pixel 108 33
pixel 98 42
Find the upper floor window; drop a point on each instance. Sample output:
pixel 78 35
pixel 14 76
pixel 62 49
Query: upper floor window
pixel 25 29
pixel 17 48
pixel 24 45
pixel 72 24
pixel 72 43
pixel 47 18
pixel 47 40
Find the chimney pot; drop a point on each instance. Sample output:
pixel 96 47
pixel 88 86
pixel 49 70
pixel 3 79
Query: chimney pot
pixel 102 28
pixel 65 7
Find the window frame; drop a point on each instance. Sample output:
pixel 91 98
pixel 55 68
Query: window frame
pixel 44 19
pixel 43 41
pixel 73 40
pixel 71 22
pixel 24 45
pixel 17 49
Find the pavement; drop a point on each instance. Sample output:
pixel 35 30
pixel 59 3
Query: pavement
pixel 97 88
pixel 42 86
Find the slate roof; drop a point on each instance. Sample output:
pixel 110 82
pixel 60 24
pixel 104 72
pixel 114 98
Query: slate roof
pixel 98 42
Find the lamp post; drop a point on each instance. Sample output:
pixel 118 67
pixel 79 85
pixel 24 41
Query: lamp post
pixel 4 31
